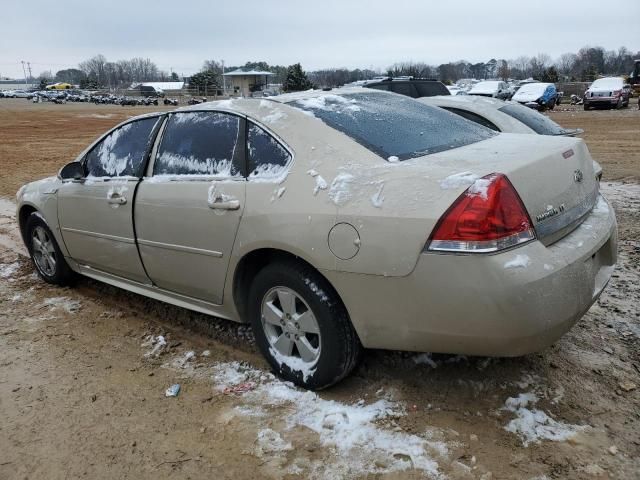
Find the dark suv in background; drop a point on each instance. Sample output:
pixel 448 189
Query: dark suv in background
pixel 411 87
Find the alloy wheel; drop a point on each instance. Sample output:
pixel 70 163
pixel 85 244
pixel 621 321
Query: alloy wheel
pixel 44 253
pixel 290 326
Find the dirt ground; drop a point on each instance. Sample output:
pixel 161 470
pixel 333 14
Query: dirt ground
pixel 83 371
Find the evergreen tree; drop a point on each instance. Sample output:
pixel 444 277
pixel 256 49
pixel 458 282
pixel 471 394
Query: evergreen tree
pixel 296 80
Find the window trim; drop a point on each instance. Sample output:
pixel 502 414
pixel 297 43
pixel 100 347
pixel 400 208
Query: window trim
pixel 275 136
pixel 152 139
pixel 457 109
pixel 239 153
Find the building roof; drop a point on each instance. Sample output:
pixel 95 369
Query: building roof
pixel 161 85
pixel 248 73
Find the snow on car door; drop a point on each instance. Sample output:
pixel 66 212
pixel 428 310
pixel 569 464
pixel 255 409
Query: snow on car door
pixel 188 211
pixel 96 213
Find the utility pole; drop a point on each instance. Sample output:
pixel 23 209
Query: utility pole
pixel 24 72
pixel 224 83
pixel 29 68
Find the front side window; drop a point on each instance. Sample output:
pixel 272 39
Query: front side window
pixel 121 153
pixel 266 156
pixel 393 125
pixel 199 143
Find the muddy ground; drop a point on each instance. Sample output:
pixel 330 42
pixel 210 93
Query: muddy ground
pixel 83 373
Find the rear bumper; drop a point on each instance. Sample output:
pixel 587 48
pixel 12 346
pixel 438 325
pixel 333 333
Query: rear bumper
pixel 476 305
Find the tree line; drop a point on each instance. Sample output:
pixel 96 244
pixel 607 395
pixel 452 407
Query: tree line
pixel 585 65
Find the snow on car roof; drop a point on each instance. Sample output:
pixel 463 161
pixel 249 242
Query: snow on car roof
pixel 533 88
pixel 608 82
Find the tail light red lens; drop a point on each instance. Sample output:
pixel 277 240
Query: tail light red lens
pixel 617 93
pixel 489 216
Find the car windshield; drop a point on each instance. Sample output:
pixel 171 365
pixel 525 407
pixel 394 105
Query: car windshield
pixel 534 120
pixel 393 126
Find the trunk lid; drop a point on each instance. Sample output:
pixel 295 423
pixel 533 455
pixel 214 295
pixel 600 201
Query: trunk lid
pixel 554 177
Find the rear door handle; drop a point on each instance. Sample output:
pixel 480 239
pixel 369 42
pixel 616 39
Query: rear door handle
pixel 219 204
pixel 116 199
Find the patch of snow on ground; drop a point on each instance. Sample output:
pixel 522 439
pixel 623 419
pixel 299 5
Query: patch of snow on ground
pixel 269 442
pixel 519 261
pixel 8 269
pixel 354 431
pixel 64 303
pixel 533 425
pixel 458 180
pixel 424 359
pixel 157 344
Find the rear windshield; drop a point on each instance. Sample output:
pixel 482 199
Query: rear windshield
pixel 534 120
pixel 392 125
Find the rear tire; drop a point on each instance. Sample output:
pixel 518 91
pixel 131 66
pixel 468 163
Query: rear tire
pixel 586 107
pixel 45 252
pixel 301 326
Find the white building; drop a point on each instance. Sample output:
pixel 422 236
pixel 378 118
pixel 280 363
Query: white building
pixel 245 83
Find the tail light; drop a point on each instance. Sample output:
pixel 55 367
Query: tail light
pixel 617 93
pixel 488 217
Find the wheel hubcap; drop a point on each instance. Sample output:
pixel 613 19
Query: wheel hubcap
pixel 290 326
pixel 43 252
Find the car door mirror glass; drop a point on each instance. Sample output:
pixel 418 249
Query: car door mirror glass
pixel 72 171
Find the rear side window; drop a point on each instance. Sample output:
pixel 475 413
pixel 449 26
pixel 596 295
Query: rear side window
pixel 534 120
pixel 431 89
pixel 198 143
pixel 393 125
pixel 266 156
pixel 474 117
pixel 379 86
pixel 404 88
pixel 122 152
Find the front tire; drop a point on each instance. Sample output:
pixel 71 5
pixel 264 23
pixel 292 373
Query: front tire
pixel 301 326
pixel 45 252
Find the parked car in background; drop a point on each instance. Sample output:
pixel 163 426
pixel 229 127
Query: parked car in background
pixel 538 95
pixel 490 88
pixel 504 116
pixel 455 90
pixel 410 87
pixel 609 92
pixel 332 221
pixel 21 94
pixel 500 115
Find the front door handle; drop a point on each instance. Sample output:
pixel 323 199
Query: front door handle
pixel 116 199
pixel 220 204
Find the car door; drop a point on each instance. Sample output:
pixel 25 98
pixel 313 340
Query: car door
pixel 189 204
pixel 96 213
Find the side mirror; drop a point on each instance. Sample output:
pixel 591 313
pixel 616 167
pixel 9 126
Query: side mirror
pixel 72 171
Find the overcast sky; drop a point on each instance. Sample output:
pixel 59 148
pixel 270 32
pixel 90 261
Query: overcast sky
pixel 318 34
